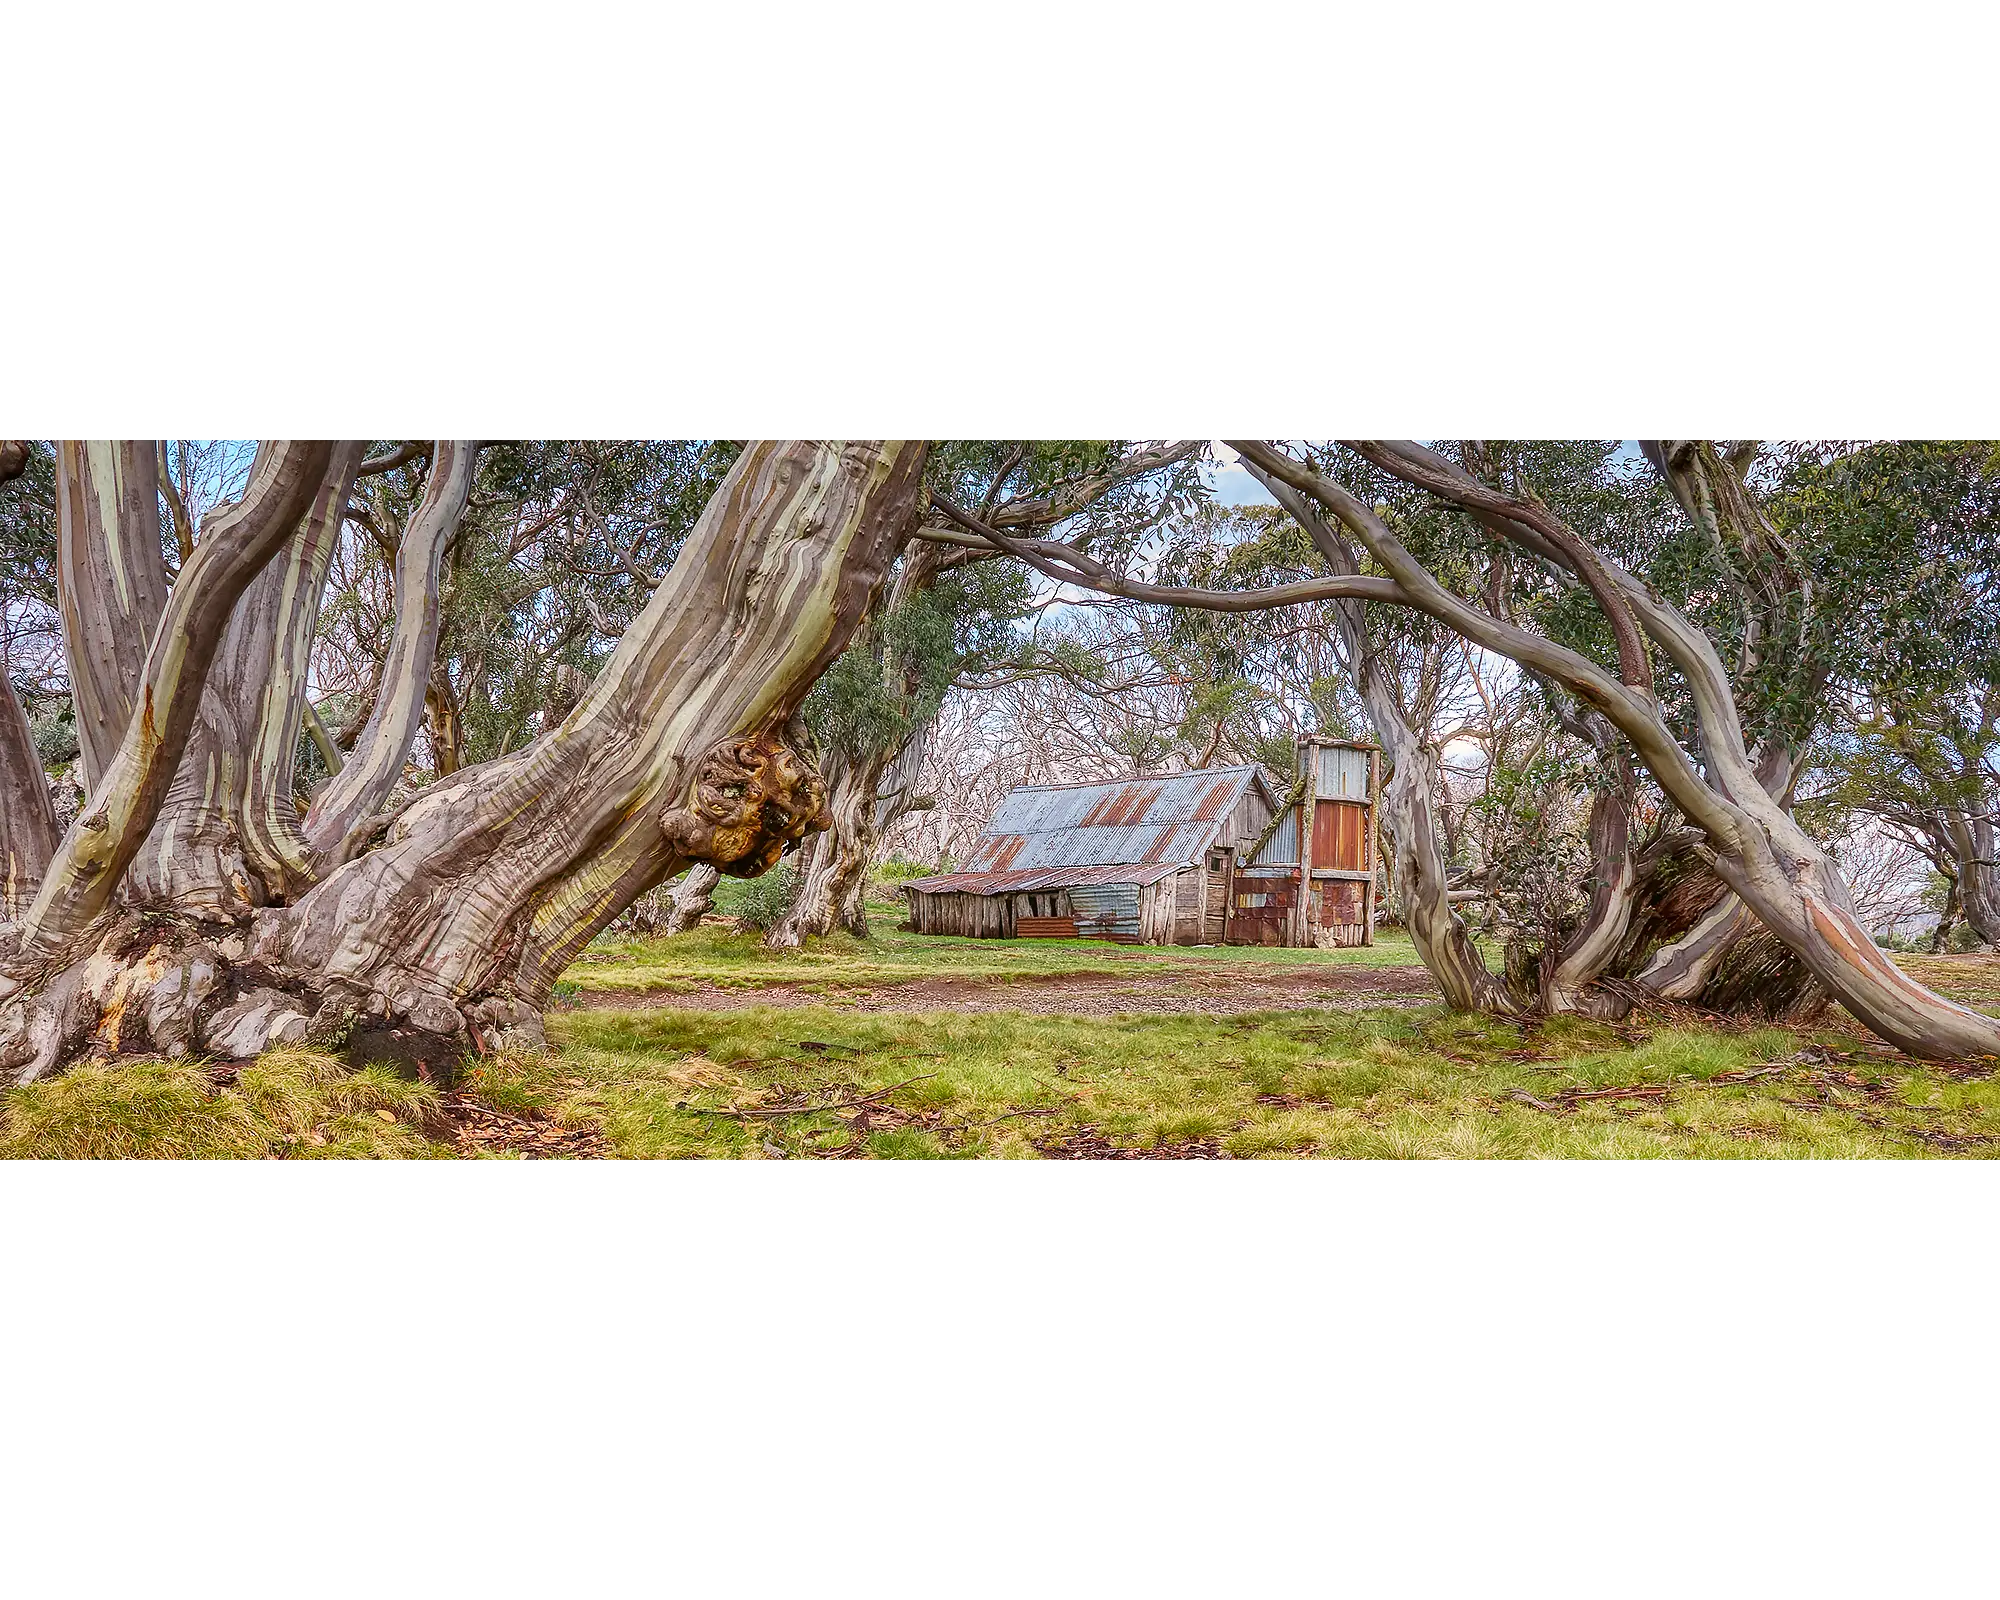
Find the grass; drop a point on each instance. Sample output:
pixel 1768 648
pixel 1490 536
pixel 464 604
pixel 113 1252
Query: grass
pixel 295 1103
pixel 841 962
pixel 823 1080
pixel 1377 1084
pixel 1970 980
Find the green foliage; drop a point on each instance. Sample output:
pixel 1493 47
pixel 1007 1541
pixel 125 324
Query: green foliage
pixel 760 903
pixel 1902 541
pixel 893 679
pixel 28 535
pixel 1246 671
pixel 52 723
pixel 556 555
pixel 1117 516
pixel 309 768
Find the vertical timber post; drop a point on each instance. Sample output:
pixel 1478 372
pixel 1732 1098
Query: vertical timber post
pixel 1374 848
pixel 1301 918
pixel 1228 890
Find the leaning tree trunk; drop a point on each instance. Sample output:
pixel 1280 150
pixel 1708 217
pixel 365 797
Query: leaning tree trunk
pixel 693 895
pixel 1407 809
pixel 1947 919
pixel 27 820
pixel 54 992
pixel 1692 941
pixel 457 926
pixel 111 583
pixel 1798 894
pixel 345 811
pixel 1974 841
pixel 1752 842
pixel 896 796
pixel 123 805
pixel 836 864
pixel 681 752
pixel 833 872
pixel 1570 974
pixel 28 831
pixel 865 798
pixel 228 838
pixel 1418 872
pixel 1662 926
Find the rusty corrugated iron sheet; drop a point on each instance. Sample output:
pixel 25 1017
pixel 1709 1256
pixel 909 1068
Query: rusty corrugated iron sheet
pixel 1106 911
pixel 1131 831
pixel 1133 872
pixel 1170 819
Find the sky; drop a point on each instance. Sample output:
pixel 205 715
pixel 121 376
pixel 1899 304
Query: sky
pixel 1233 485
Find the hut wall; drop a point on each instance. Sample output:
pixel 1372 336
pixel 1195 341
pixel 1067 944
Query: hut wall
pixel 1248 820
pixel 1042 903
pixel 1341 772
pixel 1282 848
pixel 1340 849
pixel 1044 914
pixel 1110 911
pixel 1215 899
pixel 1339 911
pixel 1340 835
pixel 968 916
pixel 1265 898
pixel 1190 886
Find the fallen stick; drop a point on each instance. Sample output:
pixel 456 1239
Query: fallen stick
pixel 1748 1075
pixel 1025 1111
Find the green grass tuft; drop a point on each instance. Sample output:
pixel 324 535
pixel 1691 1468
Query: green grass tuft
pixel 289 1103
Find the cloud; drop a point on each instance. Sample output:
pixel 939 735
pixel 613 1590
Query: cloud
pixel 1233 484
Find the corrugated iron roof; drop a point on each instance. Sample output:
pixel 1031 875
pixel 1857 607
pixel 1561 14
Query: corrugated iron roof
pixel 1170 820
pixel 1136 872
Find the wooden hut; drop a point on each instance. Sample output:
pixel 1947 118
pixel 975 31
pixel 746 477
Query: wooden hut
pixel 1209 857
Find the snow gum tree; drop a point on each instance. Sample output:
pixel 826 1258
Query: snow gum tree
pixel 945 613
pixel 1728 786
pixel 191 906
pixel 1712 693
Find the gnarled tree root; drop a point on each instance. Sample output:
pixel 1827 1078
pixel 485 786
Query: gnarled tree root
pixel 163 985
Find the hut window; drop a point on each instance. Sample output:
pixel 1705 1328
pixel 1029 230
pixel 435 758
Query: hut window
pixel 1215 863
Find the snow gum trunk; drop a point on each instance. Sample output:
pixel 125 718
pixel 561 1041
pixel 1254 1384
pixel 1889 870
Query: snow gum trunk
pixel 681 752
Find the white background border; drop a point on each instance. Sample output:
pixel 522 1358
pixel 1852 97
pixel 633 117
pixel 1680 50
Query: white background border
pixel 1161 220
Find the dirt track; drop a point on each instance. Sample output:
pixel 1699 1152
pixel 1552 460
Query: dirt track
pixel 1219 989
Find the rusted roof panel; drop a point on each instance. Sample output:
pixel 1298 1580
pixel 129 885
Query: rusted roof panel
pixel 1175 845
pixel 1135 872
pixel 1168 820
